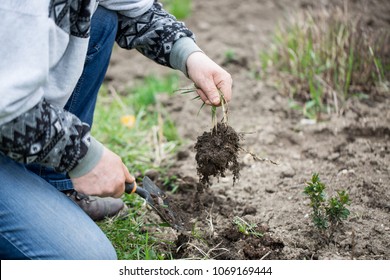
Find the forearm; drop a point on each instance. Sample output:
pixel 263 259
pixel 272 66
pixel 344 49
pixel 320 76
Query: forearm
pixel 155 34
pixel 52 137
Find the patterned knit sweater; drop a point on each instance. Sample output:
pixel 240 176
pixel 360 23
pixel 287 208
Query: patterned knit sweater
pixel 43 48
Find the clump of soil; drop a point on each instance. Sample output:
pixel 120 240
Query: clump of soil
pixel 169 211
pixel 216 152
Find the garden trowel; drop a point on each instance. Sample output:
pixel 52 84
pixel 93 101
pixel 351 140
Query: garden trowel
pixel 158 200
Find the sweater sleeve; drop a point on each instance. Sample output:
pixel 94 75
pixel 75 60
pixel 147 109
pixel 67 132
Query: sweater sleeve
pixel 155 34
pixel 52 137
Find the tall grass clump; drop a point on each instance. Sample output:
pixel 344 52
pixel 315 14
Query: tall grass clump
pixel 322 58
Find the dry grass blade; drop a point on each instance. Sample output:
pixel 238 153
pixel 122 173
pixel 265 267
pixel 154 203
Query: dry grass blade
pixel 225 107
pixel 257 158
pixel 208 254
pixel 209 218
pixel 185 90
pixel 266 255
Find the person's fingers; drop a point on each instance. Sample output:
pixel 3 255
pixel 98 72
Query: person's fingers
pixel 203 96
pixel 121 178
pixel 119 188
pixel 211 80
pixel 107 178
pixel 225 86
pixel 210 91
pixel 128 177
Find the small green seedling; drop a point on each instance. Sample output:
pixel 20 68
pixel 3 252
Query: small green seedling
pixel 246 228
pixel 230 56
pixel 171 183
pixel 327 213
pixel 197 234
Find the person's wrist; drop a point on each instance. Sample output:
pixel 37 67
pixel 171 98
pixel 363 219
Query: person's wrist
pixel 181 50
pixel 89 161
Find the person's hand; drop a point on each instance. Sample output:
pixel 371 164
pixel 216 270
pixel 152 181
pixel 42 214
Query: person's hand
pixel 107 178
pixel 209 77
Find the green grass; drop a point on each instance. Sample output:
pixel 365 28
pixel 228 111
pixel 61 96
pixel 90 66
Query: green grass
pixel 152 139
pixel 130 235
pixel 321 59
pixel 181 9
pixel 149 143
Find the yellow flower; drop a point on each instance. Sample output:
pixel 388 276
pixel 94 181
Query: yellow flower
pixel 128 120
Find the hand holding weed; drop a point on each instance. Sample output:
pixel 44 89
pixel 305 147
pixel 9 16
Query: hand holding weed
pixel 209 79
pixel 107 178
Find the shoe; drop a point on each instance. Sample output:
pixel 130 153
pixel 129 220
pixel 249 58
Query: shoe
pixel 98 208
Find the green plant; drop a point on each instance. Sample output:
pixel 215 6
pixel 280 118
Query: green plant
pixel 181 9
pixel 321 59
pixel 198 234
pixel 170 182
pixel 230 56
pixel 144 94
pixel 246 228
pixel 327 213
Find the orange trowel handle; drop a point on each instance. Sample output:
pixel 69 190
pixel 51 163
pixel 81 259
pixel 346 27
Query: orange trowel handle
pixel 130 187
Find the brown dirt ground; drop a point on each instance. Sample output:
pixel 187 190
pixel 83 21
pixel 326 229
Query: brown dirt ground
pixel 349 152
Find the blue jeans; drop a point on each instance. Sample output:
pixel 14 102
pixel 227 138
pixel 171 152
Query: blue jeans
pixel 37 221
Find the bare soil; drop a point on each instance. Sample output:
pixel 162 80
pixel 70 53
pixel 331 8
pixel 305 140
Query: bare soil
pixel 350 151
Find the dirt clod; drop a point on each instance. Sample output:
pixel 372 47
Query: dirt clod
pixel 216 152
pixel 170 211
